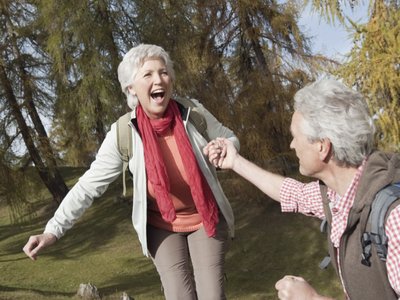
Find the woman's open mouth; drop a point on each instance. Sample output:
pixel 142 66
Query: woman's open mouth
pixel 158 97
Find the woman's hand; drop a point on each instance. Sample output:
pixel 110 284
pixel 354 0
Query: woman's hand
pixel 221 153
pixel 37 243
pixel 214 150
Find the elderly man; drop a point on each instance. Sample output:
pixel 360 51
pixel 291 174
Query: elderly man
pixel 333 137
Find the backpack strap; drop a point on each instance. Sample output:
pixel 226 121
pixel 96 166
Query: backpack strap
pixel 377 236
pixel 325 223
pixel 124 142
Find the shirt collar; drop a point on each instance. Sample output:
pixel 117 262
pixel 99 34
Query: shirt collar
pixel 346 202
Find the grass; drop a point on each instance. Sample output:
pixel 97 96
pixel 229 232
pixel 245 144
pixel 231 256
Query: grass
pixel 102 248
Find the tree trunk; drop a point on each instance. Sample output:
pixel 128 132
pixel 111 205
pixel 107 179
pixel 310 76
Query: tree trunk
pixel 41 154
pixel 49 175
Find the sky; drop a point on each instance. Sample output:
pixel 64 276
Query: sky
pixel 331 40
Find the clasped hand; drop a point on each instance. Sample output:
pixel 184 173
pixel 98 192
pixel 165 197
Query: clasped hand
pixel 221 153
pixel 215 150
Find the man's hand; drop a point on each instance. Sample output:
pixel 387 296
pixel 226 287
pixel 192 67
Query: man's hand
pixel 37 243
pixel 296 288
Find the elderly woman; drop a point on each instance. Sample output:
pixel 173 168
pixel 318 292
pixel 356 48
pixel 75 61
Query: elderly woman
pixel 180 213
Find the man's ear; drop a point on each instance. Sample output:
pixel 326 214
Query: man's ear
pixel 325 150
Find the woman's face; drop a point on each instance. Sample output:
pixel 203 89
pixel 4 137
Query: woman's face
pixel 153 87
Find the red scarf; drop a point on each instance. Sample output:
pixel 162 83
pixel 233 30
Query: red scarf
pixel 157 174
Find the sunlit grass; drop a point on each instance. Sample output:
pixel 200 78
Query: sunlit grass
pixel 102 249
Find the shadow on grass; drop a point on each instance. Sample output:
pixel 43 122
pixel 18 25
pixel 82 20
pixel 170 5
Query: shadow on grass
pixel 145 283
pixel 269 244
pixel 36 216
pixel 36 291
pixel 39 293
pixel 105 220
pixel 95 228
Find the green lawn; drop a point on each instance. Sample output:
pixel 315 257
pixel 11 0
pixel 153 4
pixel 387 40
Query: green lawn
pixel 102 249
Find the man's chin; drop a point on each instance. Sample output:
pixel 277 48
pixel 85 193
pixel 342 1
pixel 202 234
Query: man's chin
pixel 302 172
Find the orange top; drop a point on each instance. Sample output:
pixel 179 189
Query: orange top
pixel 187 217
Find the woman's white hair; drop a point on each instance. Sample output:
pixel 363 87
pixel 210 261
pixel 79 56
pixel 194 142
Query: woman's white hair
pixel 133 60
pixel 332 110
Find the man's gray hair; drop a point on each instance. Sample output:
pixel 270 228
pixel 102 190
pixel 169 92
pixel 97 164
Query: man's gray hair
pixel 133 60
pixel 333 111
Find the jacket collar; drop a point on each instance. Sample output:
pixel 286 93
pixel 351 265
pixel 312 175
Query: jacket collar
pixel 185 111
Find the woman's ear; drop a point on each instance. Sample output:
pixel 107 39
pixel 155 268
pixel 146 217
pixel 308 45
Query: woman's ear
pixel 131 91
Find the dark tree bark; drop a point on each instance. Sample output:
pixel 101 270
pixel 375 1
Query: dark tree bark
pixel 49 174
pixel 37 142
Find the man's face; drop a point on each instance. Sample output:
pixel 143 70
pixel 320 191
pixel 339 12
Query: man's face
pixel 308 153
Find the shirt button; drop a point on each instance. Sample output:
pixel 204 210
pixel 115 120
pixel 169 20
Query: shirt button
pixel 335 210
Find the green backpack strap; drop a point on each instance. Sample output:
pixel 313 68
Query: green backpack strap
pixel 124 142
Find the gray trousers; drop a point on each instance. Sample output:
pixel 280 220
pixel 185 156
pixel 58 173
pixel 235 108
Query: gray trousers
pixel 190 264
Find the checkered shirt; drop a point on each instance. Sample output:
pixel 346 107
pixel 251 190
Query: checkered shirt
pixel 306 198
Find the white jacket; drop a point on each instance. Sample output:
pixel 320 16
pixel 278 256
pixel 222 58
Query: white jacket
pixel 108 166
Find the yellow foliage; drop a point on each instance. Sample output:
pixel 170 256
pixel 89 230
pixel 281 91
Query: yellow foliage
pixel 374 68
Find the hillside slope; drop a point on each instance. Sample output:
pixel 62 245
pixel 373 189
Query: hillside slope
pixel 102 249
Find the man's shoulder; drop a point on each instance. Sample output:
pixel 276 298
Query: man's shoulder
pixel 384 157
pixel 381 168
